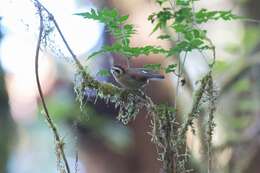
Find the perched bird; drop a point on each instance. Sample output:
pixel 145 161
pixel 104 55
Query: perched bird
pixel 134 78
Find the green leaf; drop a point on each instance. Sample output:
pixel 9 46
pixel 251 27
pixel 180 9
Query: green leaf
pixel 129 51
pixel 157 26
pixel 180 28
pixel 129 28
pixel 182 46
pixel 196 43
pixel 104 73
pixel 184 15
pixel 152 17
pixel 171 68
pixel 205 15
pixel 164 37
pixel 123 18
pixel 183 2
pixel 161 17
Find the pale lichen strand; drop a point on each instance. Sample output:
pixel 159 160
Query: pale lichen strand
pixel 168 135
pixel 195 106
pixel 164 135
pixel 129 103
pixel 212 98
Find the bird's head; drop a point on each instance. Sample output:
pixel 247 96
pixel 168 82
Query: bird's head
pixel 117 71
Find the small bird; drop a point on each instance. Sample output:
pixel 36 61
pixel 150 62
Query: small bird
pixel 134 78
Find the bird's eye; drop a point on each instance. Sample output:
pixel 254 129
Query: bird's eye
pixel 116 71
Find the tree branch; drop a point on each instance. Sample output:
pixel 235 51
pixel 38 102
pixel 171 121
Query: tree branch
pixel 59 142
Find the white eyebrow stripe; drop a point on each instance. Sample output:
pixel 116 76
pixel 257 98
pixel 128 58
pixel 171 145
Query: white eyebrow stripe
pixel 144 71
pixel 116 68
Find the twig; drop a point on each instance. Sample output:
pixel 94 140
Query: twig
pixel 180 73
pixel 195 105
pixel 51 17
pixel 172 5
pixel 162 140
pixel 59 142
pixel 211 124
pixel 77 162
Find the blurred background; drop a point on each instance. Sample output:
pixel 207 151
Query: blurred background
pixel 103 144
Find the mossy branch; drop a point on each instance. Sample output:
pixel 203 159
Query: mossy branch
pixel 195 106
pixel 211 123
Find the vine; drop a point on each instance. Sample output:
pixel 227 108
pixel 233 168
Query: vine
pixel 168 134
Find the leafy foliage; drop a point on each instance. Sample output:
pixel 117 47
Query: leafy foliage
pixel 129 51
pixel 171 68
pixel 184 15
pixel 122 32
pixel 184 20
pixel 114 22
pixel 163 37
pixel 183 2
pixel 205 15
pixel 161 17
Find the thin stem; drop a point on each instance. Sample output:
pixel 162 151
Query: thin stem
pixel 178 82
pixel 79 65
pixel 195 107
pixel 172 5
pixel 47 115
pixel 165 141
pixel 211 124
pixel 51 17
pixel 77 162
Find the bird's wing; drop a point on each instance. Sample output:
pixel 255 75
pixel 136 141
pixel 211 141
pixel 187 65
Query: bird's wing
pixel 144 74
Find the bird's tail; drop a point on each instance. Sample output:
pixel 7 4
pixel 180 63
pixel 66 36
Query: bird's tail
pixel 157 77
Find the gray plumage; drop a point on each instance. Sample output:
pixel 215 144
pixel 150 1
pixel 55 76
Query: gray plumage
pixel 134 78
